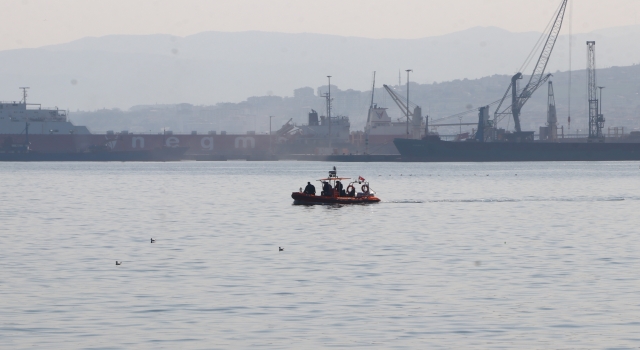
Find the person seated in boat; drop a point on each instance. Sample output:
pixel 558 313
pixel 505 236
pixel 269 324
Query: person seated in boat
pixel 339 189
pixel 310 189
pixel 326 189
pixel 352 191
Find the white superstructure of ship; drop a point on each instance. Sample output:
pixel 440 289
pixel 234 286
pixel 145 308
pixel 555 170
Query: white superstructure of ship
pixel 382 129
pixel 322 128
pixel 15 114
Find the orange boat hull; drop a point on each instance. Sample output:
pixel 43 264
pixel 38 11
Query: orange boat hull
pixel 302 198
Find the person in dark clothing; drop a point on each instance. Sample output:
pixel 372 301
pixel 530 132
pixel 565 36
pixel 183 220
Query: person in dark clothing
pixel 310 189
pixel 339 189
pixel 326 189
pixel 352 193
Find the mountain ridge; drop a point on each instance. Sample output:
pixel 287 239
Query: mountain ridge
pixel 212 67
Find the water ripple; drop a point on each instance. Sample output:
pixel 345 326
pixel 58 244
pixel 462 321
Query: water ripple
pixel 552 263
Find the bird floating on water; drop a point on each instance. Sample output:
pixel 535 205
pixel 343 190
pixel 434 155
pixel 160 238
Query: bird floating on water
pixel 280 249
pixel 153 240
pixel 118 262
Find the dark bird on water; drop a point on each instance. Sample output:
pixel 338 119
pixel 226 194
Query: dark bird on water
pixel 153 240
pixel 118 262
pixel 280 249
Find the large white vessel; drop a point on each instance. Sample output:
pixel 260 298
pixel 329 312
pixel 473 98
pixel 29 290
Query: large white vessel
pixel 324 128
pixel 48 130
pixel 15 115
pixel 381 130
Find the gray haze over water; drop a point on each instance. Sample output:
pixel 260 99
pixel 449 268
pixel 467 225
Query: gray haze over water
pixel 510 255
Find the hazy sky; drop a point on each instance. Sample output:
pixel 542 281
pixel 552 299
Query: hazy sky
pixel 33 23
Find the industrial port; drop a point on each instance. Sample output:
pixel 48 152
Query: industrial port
pixel 392 132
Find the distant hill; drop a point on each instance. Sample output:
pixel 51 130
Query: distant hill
pixel 621 106
pixel 212 67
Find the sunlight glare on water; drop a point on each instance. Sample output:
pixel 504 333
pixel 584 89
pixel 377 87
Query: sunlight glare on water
pixel 509 255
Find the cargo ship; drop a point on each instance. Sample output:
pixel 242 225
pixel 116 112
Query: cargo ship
pixel 98 155
pixel 320 136
pixel 432 149
pixel 50 135
pixel 490 144
pixel 381 130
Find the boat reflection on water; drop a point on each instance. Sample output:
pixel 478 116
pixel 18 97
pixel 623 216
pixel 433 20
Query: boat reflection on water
pixel 333 192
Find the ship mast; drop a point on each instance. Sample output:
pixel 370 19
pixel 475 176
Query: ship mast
pixel 408 70
pixel 26 126
pixel 368 127
pixel 24 94
pixel 327 96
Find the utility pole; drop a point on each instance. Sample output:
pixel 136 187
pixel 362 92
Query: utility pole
pixel 408 70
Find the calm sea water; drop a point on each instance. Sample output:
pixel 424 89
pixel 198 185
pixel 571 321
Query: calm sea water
pixel 457 256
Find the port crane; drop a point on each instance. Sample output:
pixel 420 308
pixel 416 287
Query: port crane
pixel 550 131
pixel 415 117
pixel 398 99
pixel 552 118
pixel 538 77
pixel 596 119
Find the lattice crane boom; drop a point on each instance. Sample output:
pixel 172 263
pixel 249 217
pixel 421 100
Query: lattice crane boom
pixel 552 118
pixel 398 100
pixel 596 120
pixel 520 97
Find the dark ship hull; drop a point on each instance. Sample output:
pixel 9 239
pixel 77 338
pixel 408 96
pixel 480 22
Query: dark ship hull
pixel 231 146
pixel 443 151
pixel 155 155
